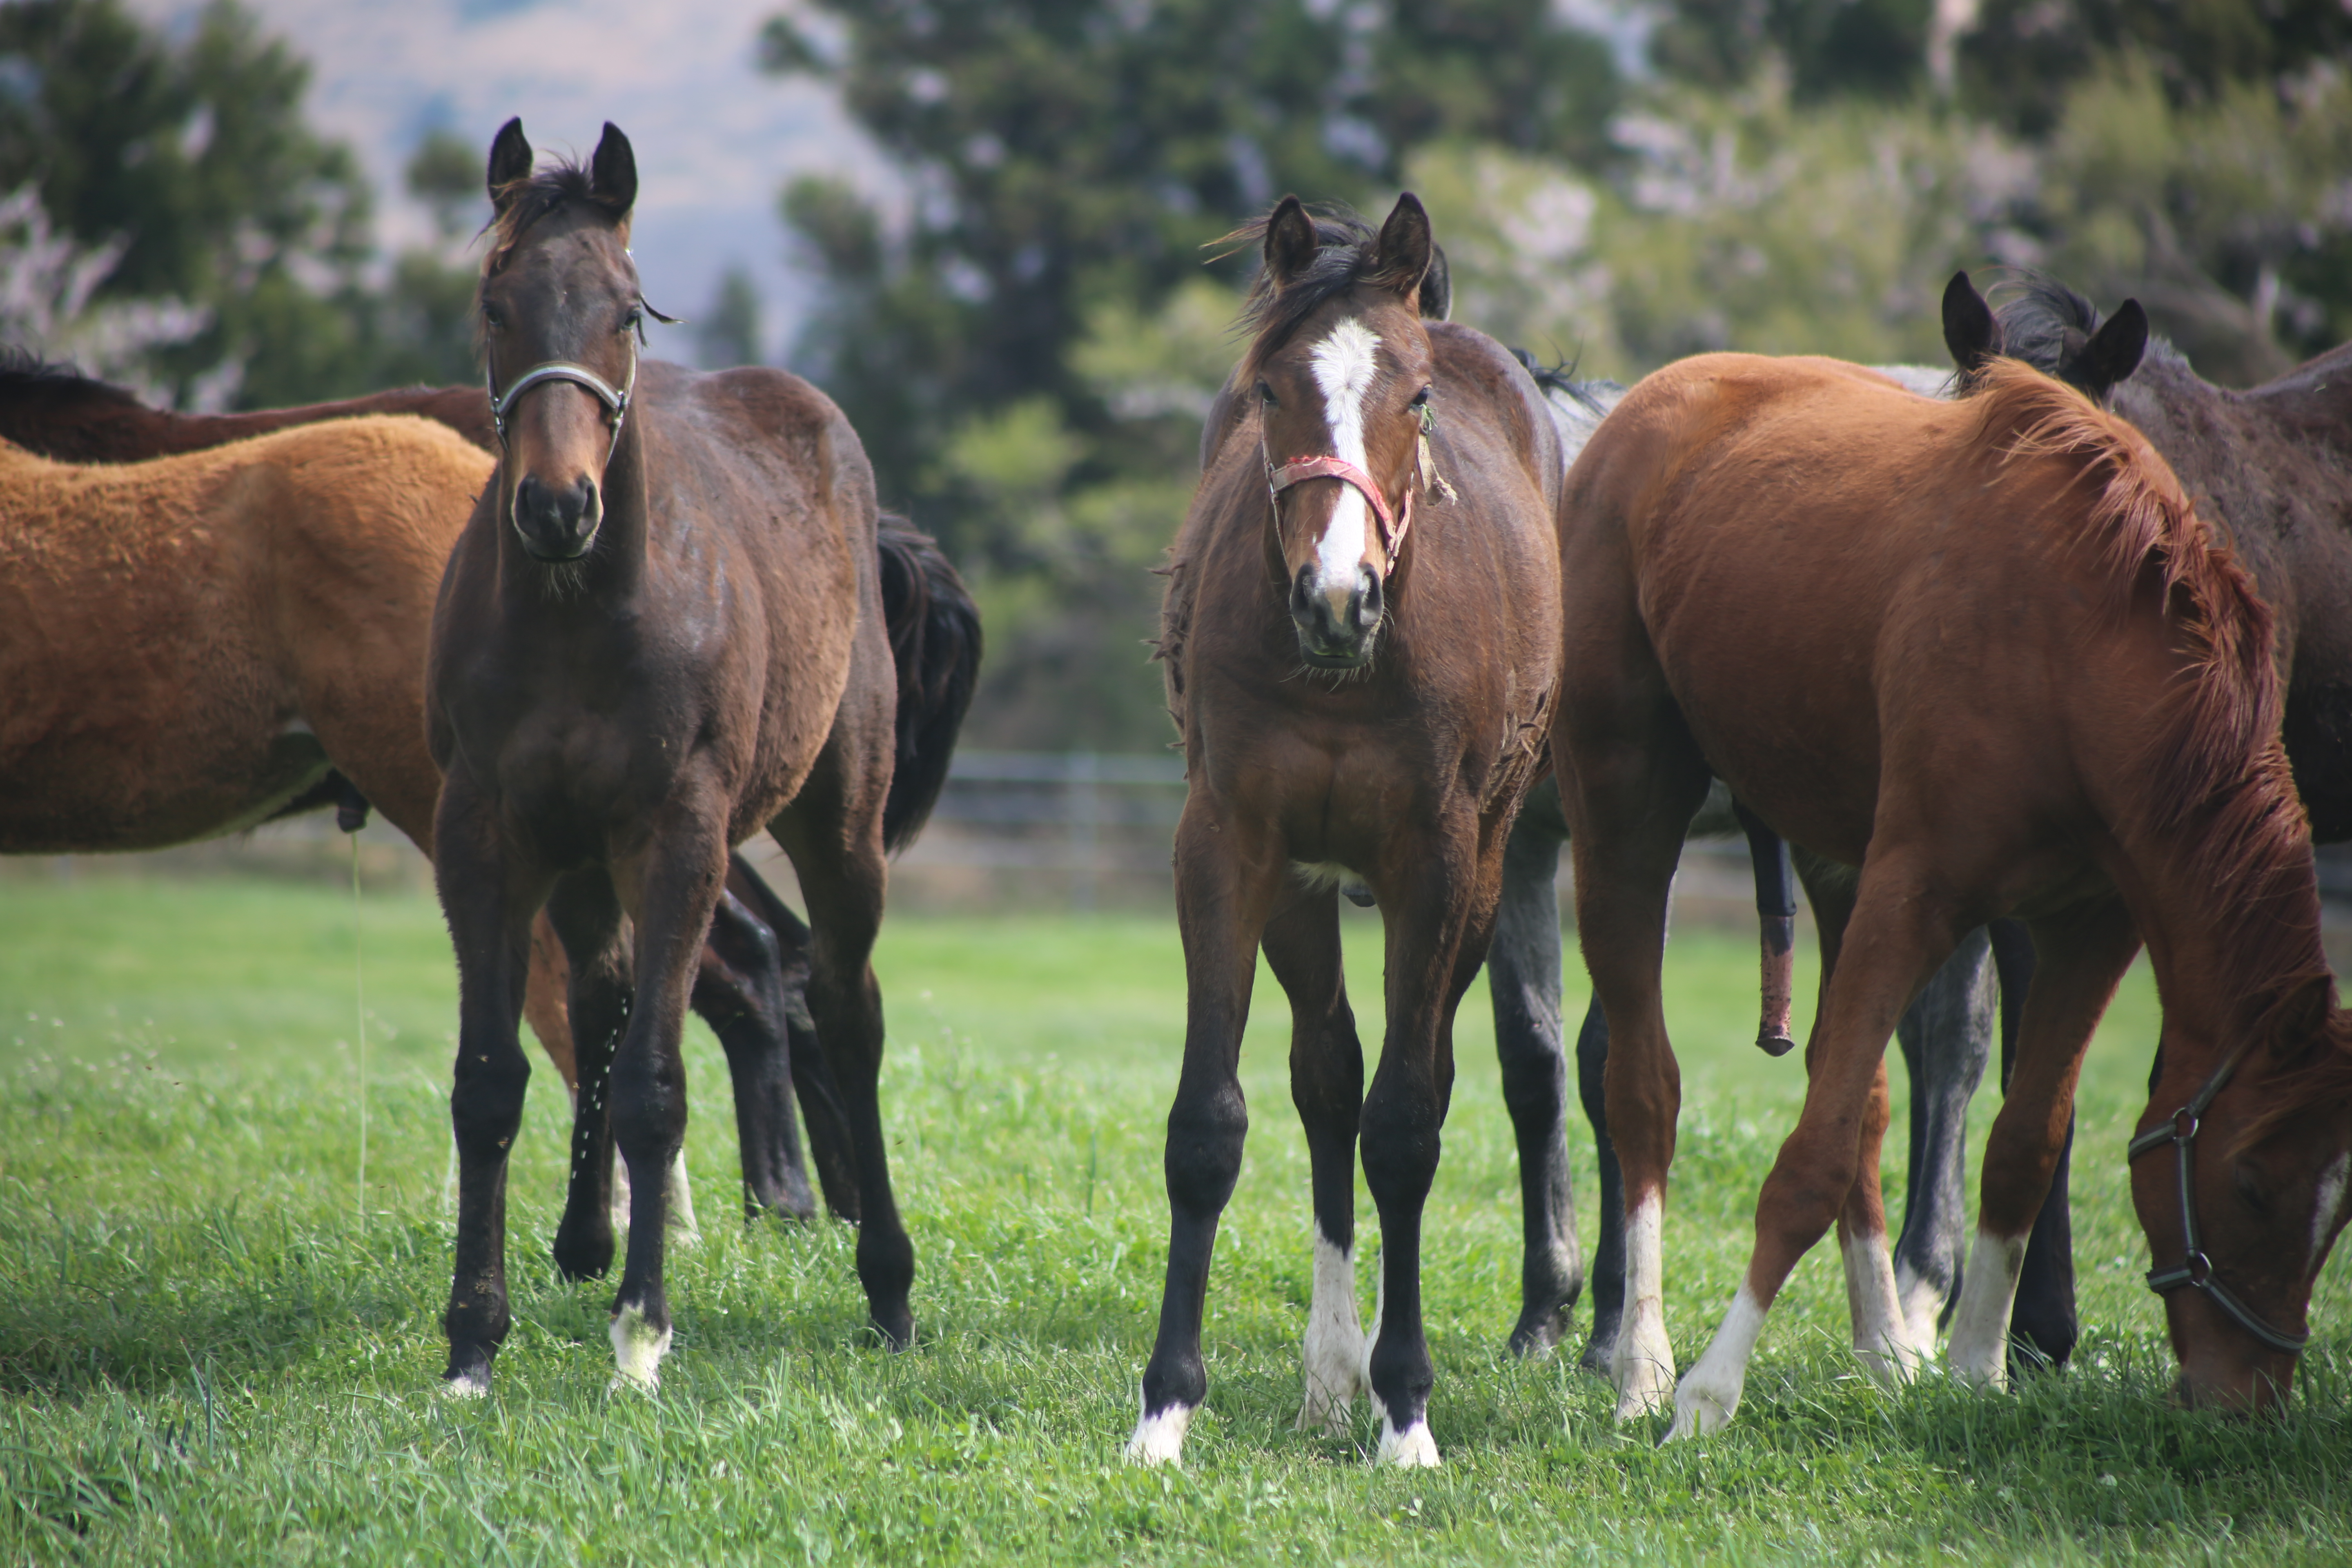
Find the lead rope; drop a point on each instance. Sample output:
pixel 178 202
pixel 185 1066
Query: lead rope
pixel 359 1006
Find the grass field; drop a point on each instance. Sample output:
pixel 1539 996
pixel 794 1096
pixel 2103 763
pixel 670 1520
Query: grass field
pixel 211 1351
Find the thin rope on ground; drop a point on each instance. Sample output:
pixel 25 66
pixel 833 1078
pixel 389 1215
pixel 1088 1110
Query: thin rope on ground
pixel 359 1004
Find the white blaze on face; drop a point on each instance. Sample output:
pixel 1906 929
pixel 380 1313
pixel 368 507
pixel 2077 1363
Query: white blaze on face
pixel 1345 364
pixel 2330 1202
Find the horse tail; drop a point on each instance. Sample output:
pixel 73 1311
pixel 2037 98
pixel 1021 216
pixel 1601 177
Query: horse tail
pixel 935 640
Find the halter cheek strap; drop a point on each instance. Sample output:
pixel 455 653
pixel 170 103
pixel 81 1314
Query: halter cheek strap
pixel 2195 1270
pixel 1393 520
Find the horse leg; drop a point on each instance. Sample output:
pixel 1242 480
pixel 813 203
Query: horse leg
pixel 2043 1325
pixel 1776 926
pixel 676 878
pixel 2079 960
pixel 1327 1084
pixel 739 990
pixel 1636 783
pixel 588 916
pixel 1523 982
pixel 1877 952
pixel 1946 1037
pixel 1608 1252
pixel 1227 876
pixel 488 906
pixel 830 1147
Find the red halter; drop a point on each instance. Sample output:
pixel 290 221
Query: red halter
pixel 1392 522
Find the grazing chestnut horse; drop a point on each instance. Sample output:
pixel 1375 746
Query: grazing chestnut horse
pixel 661 631
pixel 754 967
pixel 1360 648
pixel 2035 684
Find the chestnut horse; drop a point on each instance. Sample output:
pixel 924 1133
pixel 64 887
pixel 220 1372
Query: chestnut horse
pixel 2036 685
pixel 661 631
pixel 1360 638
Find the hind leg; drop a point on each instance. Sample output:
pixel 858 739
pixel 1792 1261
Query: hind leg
pixel 1327 1084
pixel 1608 1252
pixel 1947 1037
pixel 832 1149
pixel 739 990
pixel 1523 980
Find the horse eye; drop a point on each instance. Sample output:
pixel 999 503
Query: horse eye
pixel 1265 395
pixel 636 318
pixel 493 316
pixel 1421 399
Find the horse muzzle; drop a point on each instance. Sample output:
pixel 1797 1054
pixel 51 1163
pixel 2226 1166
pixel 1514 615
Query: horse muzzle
pixel 557 523
pixel 1336 626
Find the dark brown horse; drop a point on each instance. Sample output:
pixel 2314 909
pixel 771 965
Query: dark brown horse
pixel 660 632
pixel 1360 642
pixel 754 968
pixel 2034 684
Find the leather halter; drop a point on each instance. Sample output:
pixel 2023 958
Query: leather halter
pixel 615 400
pixel 1393 520
pixel 2196 1270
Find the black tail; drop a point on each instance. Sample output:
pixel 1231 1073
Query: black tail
pixel 935 638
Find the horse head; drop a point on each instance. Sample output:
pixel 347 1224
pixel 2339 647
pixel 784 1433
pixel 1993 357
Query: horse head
pixel 2239 1179
pixel 1341 370
pixel 560 320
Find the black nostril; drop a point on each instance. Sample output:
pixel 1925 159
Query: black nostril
pixel 1302 598
pixel 1368 599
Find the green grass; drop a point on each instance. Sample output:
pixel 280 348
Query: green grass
pixel 207 1354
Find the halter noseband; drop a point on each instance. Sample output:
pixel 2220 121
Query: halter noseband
pixel 615 400
pixel 2196 1270
pixel 1393 520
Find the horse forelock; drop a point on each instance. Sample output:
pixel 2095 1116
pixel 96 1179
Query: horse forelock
pixel 1346 254
pixel 539 194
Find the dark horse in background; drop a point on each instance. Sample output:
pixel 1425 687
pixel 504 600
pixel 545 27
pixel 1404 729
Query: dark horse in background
pixel 1354 633
pixel 751 985
pixel 660 632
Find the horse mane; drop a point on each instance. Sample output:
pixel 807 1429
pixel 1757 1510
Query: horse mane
pixel 1346 254
pixel 2046 323
pixel 2216 775
pixel 522 203
pixel 25 375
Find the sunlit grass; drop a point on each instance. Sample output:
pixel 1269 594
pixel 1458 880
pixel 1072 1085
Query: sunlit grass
pixel 207 1353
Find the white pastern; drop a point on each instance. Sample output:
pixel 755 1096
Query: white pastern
pixel 1921 1302
pixel 1979 1343
pixel 683 1231
pixel 1411 1450
pixel 1643 1361
pixel 1334 1352
pixel 637 1349
pixel 466 1386
pixel 1881 1328
pixel 1707 1397
pixel 1345 364
pixel 2330 1202
pixel 1160 1439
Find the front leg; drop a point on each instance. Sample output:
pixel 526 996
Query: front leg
pixel 675 877
pixel 1227 876
pixel 587 919
pixel 489 901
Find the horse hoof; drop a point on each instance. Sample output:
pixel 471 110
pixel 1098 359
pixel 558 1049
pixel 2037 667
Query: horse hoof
pixel 472 1383
pixel 897 1332
pixel 1159 1438
pixel 1774 1045
pixel 1411 1450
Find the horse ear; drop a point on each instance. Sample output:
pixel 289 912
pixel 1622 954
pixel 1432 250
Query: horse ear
pixel 613 172
pixel 510 159
pixel 1970 331
pixel 2113 353
pixel 1290 241
pixel 1405 247
pixel 1437 288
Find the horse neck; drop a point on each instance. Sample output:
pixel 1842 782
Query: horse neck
pixel 2230 912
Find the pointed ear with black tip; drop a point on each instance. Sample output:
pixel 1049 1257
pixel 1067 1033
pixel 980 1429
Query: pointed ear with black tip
pixel 1405 247
pixel 1970 331
pixel 510 159
pixel 1290 241
pixel 1437 288
pixel 2113 353
pixel 613 172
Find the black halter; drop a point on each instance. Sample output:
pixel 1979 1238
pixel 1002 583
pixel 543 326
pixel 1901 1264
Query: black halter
pixel 2196 1270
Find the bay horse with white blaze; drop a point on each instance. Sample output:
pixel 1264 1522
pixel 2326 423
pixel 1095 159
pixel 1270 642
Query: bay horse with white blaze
pixel 660 632
pixel 1360 638
pixel 2036 684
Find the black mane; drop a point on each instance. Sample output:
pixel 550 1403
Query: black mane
pixel 2047 325
pixel 26 375
pixel 1561 378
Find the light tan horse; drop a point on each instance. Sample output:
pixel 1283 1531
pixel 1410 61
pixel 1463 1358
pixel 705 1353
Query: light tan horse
pixel 184 643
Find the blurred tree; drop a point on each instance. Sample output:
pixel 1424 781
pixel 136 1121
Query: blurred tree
pixel 195 160
pixel 728 333
pixel 445 172
pixel 1867 49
